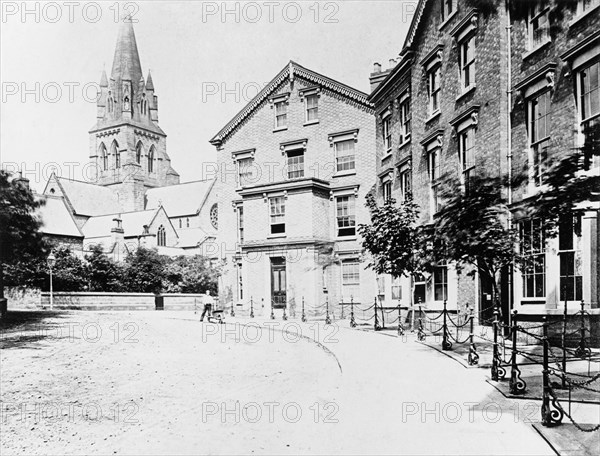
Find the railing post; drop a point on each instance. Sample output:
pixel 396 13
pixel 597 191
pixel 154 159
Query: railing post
pixel 582 351
pixel 303 313
pixel 517 385
pixel 352 320
pixel 232 313
pixel 473 357
pixel 284 312
pixel 376 326
pixel 563 381
pixel 251 307
pixel 342 316
pixel 550 415
pixel 420 331
pixel 495 347
pixel 272 313
pixel 327 317
pixel 400 325
pixel 446 344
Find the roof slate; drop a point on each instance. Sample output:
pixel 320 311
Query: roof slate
pixel 179 200
pixel 89 199
pixel 56 218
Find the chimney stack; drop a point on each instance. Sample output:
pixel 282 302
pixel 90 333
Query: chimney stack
pixel 377 76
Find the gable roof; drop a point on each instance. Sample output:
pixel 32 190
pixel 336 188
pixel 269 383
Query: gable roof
pixel 291 70
pixel 132 223
pixel 414 25
pixel 192 237
pixel 56 218
pixel 180 200
pixel 85 198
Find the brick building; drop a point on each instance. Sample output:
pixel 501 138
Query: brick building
pixel 134 196
pixel 555 73
pixel 295 166
pixel 454 103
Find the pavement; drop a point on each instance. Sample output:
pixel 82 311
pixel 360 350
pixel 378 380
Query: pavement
pixel 164 383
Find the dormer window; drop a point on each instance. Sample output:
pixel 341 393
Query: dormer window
pixel 447 9
pixel 538 25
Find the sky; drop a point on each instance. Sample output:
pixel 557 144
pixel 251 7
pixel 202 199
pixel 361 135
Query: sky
pixel 208 59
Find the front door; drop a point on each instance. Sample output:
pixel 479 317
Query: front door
pixel 278 283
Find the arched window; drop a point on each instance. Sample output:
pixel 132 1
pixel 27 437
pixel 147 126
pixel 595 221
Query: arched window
pixel 115 151
pixel 103 157
pixel 151 160
pixel 144 104
pixel 214 216
pixel 187 222
pixel 138 153
pixel 110 102
pixel 161 236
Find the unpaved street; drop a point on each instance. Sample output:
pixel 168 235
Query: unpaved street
pixel 163 383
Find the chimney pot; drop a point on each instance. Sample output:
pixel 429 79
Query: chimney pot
pixel 377 67
pixel 392 63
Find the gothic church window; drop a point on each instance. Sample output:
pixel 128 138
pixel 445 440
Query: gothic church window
pixel 138 153
pixel 161 236
pixel 117 154
pixel 103 157
pixel 214 216
pixel 151 160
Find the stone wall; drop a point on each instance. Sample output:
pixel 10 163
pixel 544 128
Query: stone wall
pixel 119 301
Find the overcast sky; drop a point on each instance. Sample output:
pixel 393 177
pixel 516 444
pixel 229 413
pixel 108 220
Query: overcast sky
pixel 192 49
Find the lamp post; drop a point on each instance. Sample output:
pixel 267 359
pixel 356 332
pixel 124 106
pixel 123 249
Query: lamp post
pixel 51 260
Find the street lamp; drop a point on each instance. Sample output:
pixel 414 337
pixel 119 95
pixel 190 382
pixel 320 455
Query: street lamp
pixel 51 260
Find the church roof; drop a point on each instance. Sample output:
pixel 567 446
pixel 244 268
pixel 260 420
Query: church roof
pixel 126 62
pixel 86 198
pixel 192 237
pixel 291 70
pixel 56 218
pixel 180 200
pixel 132 223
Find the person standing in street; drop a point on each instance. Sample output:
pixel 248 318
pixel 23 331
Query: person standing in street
pixel 208 304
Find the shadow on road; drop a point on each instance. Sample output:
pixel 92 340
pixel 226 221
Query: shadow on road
pixel 28 328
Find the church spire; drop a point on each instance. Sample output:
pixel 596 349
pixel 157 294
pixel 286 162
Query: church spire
pixel 126 59
pixel 103 79
pixel 149 83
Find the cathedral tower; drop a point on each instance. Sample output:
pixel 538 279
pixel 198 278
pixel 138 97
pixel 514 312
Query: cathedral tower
pixel 127 146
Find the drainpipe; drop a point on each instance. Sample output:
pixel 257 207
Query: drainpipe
pixel 509 145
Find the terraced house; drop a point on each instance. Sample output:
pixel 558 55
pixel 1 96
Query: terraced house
pixel 492 89
pixel 295 166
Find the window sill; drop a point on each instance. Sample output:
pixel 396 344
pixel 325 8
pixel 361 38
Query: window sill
pixel 311 122
pixel 346 238
pixel 536 49
pixel 466 92
pixel 387 155
pixel 433 116
pixel 404 144
pixel 276 236
pixel 583 15
pixel 275 130
pixel 448 19
pixel 345 173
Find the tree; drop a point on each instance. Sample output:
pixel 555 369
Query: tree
pixel 568 182
pixel 190 274
pixel 397 245
pixel 473 228
pixel 103 273
pixel 19 227
pixel 68 273
pixel 144 271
